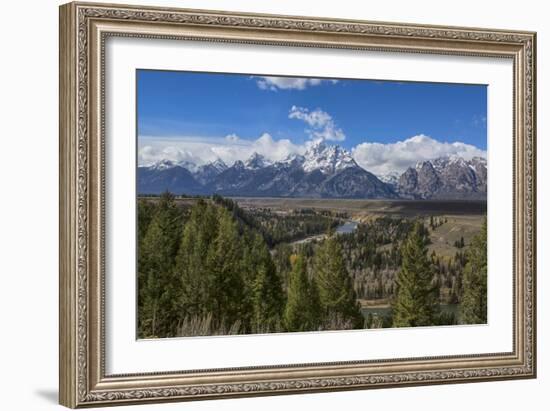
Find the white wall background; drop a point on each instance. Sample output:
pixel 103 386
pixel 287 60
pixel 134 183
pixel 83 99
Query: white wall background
pixel 28 212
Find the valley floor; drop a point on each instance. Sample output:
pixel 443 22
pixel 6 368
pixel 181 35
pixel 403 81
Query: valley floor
pixel 370 208
pixel 462 219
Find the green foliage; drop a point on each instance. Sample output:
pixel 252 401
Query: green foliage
pixel 208 267
pixel 281 259
pixel 157 284
pixel 194 276
pixel 145 213
pixel 336 294
pixel 264 288
pixel 281 228
pixel 446 318
pixel 202 273
pixel 302 309
pixel 373 256
pixel 473 307
pixel 416 302
pixel 223 262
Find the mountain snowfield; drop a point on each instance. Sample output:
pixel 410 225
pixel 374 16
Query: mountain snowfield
pixel 327 159
pixel 323 171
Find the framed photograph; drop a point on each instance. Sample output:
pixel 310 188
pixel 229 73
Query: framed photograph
pixel 258 204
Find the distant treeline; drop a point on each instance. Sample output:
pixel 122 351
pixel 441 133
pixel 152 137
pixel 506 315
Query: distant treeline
pixel 213 268
pixel 285 227
pixel 373 254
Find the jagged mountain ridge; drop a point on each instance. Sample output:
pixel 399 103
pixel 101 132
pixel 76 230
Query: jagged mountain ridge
pixel 449 177
pixel 323 171
pixel 175 178
pixel 207 172
pixel 327 159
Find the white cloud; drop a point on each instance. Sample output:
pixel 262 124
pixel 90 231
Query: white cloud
pixel 232 137
pixel 273 83
pixel 330 132
pixel 321 123
pixel 200 150
pixel 378 158
pixel 316 118
pixel 384 159
pixel 149 154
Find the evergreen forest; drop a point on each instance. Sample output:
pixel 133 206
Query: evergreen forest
pixel 207 266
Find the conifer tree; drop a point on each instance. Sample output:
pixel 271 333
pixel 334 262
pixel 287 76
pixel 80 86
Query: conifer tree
pixel 157 287
pixel 266 294
pixel 416 302
pixel 473 307
pixel 302 307
pixel 195 277
pixel 336 294
pixel 282 263
pixel 226 275
pixel 224 264
pixel 145 212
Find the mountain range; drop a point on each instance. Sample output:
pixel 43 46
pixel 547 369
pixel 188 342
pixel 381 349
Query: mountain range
pixel 445 178
pixel 323 171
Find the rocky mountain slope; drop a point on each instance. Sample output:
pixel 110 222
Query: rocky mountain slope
pixel 324 171
pixel 447 177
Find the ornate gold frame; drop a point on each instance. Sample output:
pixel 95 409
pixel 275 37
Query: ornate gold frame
pixel 83 30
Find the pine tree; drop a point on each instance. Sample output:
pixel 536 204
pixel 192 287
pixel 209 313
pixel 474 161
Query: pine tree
pixel 157 289
pixel 195 277
pixel 473 307
pixel 339 305
pixel 302 307
pixel 265 289
pixel 282 262
pixel 224 263
pixel 416 302
pixel 145 212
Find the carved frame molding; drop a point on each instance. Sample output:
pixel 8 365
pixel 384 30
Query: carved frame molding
pixel 84 27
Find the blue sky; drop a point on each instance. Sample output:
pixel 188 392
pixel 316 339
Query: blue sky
pixel 185 110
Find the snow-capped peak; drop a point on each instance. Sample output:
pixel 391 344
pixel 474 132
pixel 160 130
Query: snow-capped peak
pixel 214 167
pixel 162 165
pixel 479 160
pixel 327 159
pixel 391 178
pixel 256 161
pixel 218 164
pixel 442 163
pixel 456 159
pixel 167 164
pixel 210 170
pixel 238 164
pixel 291 158
pixel 425 163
